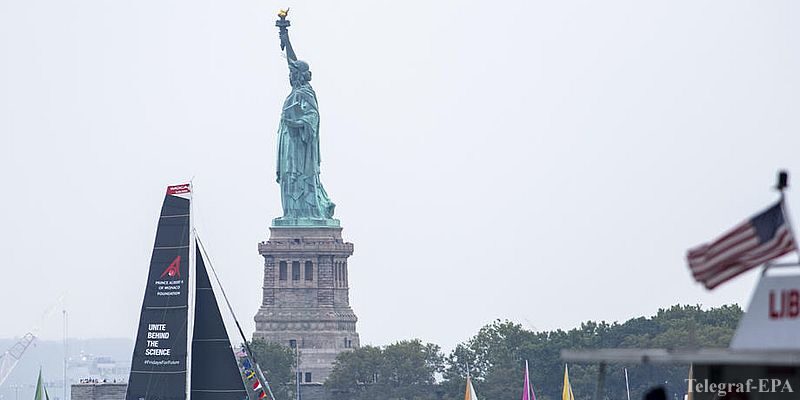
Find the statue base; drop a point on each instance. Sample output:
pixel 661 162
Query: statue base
pixel 310 222
pixel 306 299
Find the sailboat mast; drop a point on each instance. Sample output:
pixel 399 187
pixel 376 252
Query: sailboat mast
pixel 66 352
pixel 191 294
pixel 627 386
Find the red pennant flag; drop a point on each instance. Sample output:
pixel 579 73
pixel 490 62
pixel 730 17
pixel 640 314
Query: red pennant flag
pixel 179 189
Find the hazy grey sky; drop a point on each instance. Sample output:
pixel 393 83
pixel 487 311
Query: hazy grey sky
pixel 547 162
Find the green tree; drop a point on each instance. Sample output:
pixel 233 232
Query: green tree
pixel 354 372
pixel 495 358
pixel 496 354
pixel 277 363
pixel 405 370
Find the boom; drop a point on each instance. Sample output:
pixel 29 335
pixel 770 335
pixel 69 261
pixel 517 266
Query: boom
pixel 11 357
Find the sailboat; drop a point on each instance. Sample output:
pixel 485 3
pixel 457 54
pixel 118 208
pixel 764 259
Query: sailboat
pixel 469 392
pixel 566 392
pixel 527 388
pixel 182 348
pixel 627 385
pixel 41 391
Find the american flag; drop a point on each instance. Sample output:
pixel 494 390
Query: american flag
pixel 761 238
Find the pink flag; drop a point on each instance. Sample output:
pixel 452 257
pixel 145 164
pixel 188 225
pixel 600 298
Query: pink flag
pixel 527 390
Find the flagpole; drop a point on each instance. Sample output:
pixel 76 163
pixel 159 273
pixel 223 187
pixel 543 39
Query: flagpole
pixel 66 352
pixel 783 183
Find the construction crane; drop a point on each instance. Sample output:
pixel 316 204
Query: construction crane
pixel 11 357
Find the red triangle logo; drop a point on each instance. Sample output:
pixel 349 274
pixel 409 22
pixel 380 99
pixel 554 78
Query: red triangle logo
pixel 174 269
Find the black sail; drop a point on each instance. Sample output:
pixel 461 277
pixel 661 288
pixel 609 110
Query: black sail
pixel 215 373
pixel 158 368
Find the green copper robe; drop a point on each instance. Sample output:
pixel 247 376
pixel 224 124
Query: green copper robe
pixel 302 194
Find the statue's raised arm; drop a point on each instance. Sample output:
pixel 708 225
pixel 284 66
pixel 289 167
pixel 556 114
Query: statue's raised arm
pixel 283 34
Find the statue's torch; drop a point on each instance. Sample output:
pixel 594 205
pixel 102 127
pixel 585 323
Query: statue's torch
pixel 282 23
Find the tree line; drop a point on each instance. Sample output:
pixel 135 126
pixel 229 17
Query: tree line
pixel 495 358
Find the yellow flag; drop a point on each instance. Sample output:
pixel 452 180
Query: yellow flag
pixel 566 394
pixel 469 393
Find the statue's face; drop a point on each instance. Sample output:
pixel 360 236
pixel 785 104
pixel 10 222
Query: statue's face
pixel 294 77
pixel 297 77
pixel 299 72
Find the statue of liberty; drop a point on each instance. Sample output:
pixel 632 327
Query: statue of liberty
pixel 304 200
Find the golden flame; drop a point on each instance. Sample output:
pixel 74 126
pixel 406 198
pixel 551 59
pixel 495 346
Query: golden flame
pixel 283 13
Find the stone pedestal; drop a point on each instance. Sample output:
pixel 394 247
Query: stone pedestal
pixel 305 298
